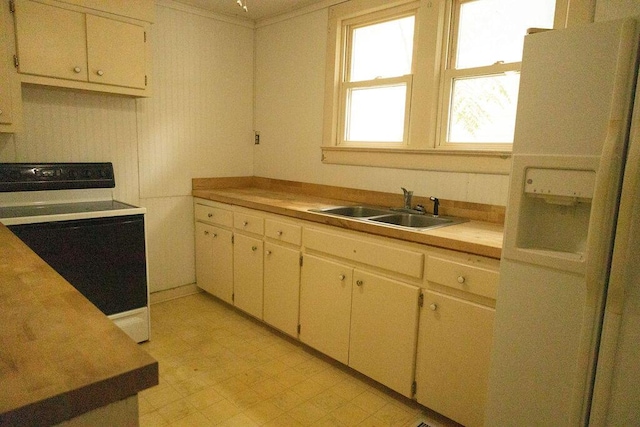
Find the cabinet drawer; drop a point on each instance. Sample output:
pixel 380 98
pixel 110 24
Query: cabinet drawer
pixel 213 215
pixel 379 255
pixel 462 275
pixel 289 233
pixel 249 223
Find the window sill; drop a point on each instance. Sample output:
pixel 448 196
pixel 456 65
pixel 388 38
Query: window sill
pixel 468 161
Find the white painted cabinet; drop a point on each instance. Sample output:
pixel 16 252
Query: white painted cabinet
pixel 456 335
pixel 214 250
pixel 384 325
pixel 247 274
pixel 325 306
pixel 62 45
pixel 10 96
pixel 281 287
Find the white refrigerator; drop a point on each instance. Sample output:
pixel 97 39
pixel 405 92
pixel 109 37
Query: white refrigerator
pixel 567 330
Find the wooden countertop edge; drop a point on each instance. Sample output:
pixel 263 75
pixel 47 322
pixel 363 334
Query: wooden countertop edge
pixel 424 237
pixel 132 371
pixel 73 403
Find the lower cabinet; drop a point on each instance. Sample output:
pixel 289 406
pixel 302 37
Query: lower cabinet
pixel 281 287
pixel 325 306
pixel 247 274
pixel 214 256
pixel 384 328
pixel 361 319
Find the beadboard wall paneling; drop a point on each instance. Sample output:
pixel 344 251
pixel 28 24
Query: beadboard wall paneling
pixel 199 121
pixel 170 242
pixel 74 126
pixel 290 75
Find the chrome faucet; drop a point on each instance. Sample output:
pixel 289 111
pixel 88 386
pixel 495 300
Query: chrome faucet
pixel 407 198
pixel 436 205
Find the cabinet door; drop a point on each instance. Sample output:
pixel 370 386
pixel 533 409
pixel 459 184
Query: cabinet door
pixel 454 355
pixel 281 287
pixel 247 274
pixel 116 52
pixel 214 256
pixel 50 41
pixel 325 306
pixel 384 330
pixel 5 82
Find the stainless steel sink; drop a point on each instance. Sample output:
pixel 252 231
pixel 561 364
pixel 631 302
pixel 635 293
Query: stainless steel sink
pixel 354 211
pixel 415 220
pixel 390 217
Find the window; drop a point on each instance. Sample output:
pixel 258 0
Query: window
pixel 482 68
pixel 429 84
pixel 376 79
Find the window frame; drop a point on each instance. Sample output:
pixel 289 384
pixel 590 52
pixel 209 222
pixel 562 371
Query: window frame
pixel 423 149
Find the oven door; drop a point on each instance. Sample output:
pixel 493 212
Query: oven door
pixel 103 258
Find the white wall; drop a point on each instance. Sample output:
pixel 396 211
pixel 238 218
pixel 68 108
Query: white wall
pixel 290 74
pixel 197 123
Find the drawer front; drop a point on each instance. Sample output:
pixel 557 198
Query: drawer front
pixel 462 275
pixel 379 255
pixel 284 232
pixel 213 215
pixel 249 223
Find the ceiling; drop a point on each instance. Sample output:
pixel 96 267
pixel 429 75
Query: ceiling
pixel 257 9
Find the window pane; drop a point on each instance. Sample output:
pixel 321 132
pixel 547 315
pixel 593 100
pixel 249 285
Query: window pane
pixel 376 114
pixel 483 109
pixel 382 50
pixel 494 30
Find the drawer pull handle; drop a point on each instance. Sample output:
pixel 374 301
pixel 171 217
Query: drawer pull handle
pixel 209 215
pixel 342 277
pixel 461 279
pixel 254 248
pixel 100 73
pixel 433 306
pixel 359 282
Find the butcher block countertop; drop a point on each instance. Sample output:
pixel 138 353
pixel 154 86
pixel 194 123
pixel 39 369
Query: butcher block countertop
pixel 60 357
pixel 479 237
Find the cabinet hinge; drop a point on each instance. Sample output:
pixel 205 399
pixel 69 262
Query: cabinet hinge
pixel 301 260
pixel 145 80
pixel 414 388
pixel 12 6
pixel 145 36
pixel 421 300
pixel 15 61
pixel 233 297
pixel 233 239
pixel 299 327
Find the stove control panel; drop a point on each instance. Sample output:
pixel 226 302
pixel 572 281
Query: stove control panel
pixel 55 176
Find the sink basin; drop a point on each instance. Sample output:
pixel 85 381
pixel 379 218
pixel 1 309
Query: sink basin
pixel 416 221
pixel 353 211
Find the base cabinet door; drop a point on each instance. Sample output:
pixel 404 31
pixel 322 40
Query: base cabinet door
pixel 454 356
pixel 384 328
pixel 325 306
pixel 281 288
pixel 247 274
pixel 214 256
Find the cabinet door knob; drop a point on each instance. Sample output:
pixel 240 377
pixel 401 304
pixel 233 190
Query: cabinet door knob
pixel 77 70
pixel 268 252
pixel 342 277
pixel 206 233
pixel 245 223
pixel 279 233
pixel 254 248
pixel 209 215
pixel 359 282
pixel 215 235
pixel 100 73
pixel 461 279
pixel 433 306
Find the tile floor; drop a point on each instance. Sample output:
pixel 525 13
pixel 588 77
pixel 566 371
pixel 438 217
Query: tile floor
pixel 219 367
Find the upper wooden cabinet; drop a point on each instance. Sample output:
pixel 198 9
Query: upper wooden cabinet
pixel 10 97
pixel 67 47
